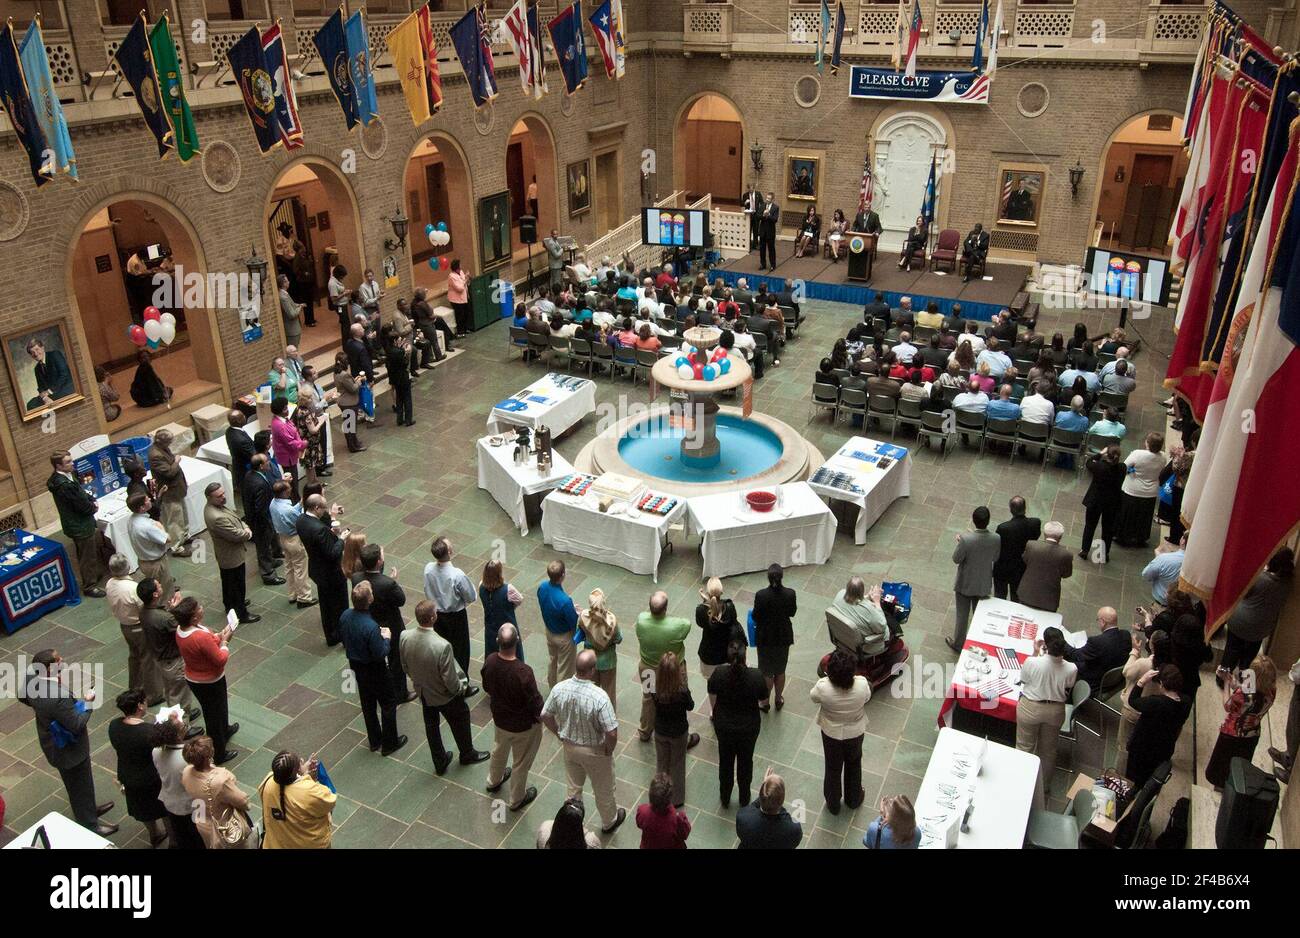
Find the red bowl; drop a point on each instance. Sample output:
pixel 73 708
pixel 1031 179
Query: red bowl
pixel 761 501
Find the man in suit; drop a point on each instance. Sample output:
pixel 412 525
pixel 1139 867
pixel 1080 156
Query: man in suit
pixel 754 204
pixel 172 488
pixel 554 256
pixel 324 552
pixel 767 233
pixel 742 293
pixel 386 608
pixel 1103 652
pixel 239 443
pixel 442 688
pixel 62 719
pixel 904 317
pixel 1015 533
pixel 974 556
pixel 974 249
pixel 368 645
pixel 1003 328
pixel 786 297
pixel 867 221
pixel 1047 563
pixel 257 510
pixel 229 535
pixel 877 308
pixel 884 386
pixel 397 351
pixel 77 516
pixel 359 360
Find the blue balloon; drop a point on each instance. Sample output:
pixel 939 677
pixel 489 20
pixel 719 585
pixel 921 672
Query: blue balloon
pixel 681 360
pixel 442 226
pixel 710 372
pixel 433 263
pixel 725 365
pixel 428 229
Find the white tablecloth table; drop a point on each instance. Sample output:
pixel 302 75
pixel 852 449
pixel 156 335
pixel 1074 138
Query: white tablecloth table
pixel 879 488
pixel 1003 793
pixel 63 833
pixel 114 517
pixel 737 539
pixel 216 450
pixel 509 484
pixel 576 525
pixel 561 405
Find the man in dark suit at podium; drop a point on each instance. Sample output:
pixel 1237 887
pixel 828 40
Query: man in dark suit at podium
pixel 975 249
pixel 754 204
pixel 767 233
pixel 867 222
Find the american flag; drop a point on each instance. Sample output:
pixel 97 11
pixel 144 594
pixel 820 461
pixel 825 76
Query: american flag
pixel 913 39
pixel 868 190
pixel 1006 194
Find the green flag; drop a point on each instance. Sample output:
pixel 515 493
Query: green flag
pixel 163 50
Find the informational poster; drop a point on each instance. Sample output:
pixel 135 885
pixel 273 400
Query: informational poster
pixel 100 470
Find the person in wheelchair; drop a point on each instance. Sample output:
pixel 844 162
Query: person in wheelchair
pixel 862 610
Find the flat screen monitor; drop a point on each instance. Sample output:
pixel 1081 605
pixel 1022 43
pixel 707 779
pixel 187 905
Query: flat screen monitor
pixel 1127 276
pixel 674 227
pixel 153 252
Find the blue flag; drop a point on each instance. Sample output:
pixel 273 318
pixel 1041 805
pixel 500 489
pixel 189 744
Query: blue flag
pixel 931 192
pixel 981 35
pixel 570 46
pixel 363 82
pixel 823 35
pixel 49 112
pixel 248 66
pixel 838 45
pixel 474 49
pixel 332 47
pixel 18 105
pixel 136 64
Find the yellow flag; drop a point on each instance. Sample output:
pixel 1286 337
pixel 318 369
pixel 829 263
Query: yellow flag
pixel 408 59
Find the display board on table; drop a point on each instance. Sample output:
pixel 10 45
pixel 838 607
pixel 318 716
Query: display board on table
pixel 100 469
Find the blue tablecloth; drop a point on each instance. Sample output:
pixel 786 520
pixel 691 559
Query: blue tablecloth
pixel 35 585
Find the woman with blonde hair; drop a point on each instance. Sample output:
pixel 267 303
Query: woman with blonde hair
pixel 351 560
pixel 1247 696
pixel 601 634
pixel 673 701
pixel 309 419
pixel 716 617
pixel 895 828
pixel 223 820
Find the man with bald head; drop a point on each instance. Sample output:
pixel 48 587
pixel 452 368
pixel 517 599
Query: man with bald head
pixel 582 716
pixel 1015 533
pixel 1102 652
pixel 657 633
pixel 1047 563
pixel 324 548
pixel 516 717
pixel 239 443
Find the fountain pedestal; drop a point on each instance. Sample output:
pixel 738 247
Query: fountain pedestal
pixel 699 448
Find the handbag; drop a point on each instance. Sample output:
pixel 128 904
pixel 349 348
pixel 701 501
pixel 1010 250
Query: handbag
pixel 366 399
pixel 1167 491
pixel 235 830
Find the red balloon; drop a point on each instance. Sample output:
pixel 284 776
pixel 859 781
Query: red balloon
pixel 151 312
pixel 137 335
pixel 699 371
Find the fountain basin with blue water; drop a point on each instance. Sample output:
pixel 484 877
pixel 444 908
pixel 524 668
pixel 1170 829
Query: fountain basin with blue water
pixel 745 448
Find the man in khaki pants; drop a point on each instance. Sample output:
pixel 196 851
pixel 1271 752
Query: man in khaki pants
pixel 150 541
pixel 581 715
pixel 284 520
pixel 172 488
pixel 516 715
pixel 560 616
pixel 142 670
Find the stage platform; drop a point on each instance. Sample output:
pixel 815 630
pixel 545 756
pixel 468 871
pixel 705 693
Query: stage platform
pixel 980 299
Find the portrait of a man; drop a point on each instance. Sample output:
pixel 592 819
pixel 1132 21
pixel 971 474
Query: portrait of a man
pixel 494 229
pixel 1020 197
pixel 39 366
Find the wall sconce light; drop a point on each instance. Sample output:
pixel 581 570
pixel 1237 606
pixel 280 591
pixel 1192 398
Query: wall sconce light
pixel 1119 173
pixel 756 157
pixel 1076 177
pixel 954 36
pixel 256 267
pixel 400 222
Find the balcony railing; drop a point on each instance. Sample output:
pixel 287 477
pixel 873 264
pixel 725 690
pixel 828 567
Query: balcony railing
pixel 1044 27
pixel 706 27
pixel 1175 28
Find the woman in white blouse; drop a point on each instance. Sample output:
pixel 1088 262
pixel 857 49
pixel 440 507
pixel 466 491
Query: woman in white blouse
pixel 842 697
pixel 1139 492
pixel 1046 680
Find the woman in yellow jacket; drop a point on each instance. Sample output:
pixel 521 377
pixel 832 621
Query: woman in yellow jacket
pixel 296 809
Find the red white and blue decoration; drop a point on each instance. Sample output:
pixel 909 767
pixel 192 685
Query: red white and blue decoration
pixel 690 368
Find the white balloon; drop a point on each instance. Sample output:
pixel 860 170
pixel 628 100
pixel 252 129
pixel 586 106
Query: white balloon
pixel 153 329
pixel 167 319
pixel 444 238
pixel 685 372
pixel 168 333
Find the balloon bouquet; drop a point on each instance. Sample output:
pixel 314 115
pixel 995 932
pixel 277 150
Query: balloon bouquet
pixel 158 329
pixel 438 236
pixel 692 363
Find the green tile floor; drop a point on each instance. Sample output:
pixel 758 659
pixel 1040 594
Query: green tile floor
pixel 415 483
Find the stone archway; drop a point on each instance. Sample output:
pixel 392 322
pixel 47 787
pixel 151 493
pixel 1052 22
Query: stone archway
pixel 1139 177
pixel 438 187
pixel 708 127
pixel 905 143
pixel 531 152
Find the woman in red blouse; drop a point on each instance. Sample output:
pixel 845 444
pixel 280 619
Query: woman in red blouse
pixel 1247 696
pixel 663 827
pixel 205 654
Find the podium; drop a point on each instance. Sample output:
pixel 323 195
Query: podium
pixel 862 255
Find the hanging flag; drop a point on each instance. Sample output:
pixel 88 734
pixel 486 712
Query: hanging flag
pixel 167 67
pixel 867 191
pixel 602 25
pixel 620 37
pixel 1241 510
pixel 332 47
pixel 913 40
pixel 527 51
pixel 474 49
pixel 841 21
pixel 823 35
pixel 46 105
pixel 981 34
pixel 432 77
pixel 21 109
pixel 248 66
pixel 286 100
pixel 570 46
pixel 363 81
pixel 995 41
pixel 931 191
pixel 409 59
pixel 136 65
pixel 539 48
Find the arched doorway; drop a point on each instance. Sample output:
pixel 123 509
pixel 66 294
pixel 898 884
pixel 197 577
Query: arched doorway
pixel 131 252
pixel 530 158
pixel 312 222
pixel 437 187
pixel 709 149
pixel 1141 175
pixel 905 145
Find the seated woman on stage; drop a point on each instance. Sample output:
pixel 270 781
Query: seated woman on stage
pixel 837 245
pixel 809 228
pixel 917 235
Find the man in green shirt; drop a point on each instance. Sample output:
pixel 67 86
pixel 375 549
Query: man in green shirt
pixel 657 633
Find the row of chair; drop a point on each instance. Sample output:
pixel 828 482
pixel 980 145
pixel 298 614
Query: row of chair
pixel 553 349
